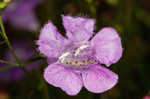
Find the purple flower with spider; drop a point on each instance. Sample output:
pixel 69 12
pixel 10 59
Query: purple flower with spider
pixel 21 14
pixel 79 56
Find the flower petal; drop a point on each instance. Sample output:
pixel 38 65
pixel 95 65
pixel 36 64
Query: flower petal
pixel 99 79
pixel 78 28
pixel 51 43
pixel 63 78
pixel 51 60
pixel 107 45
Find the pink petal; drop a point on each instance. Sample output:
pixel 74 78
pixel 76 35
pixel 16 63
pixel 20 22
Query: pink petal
pixel 99 79
pixel 51 60
pixel 146 97
pixel 78 28
pixel 51 43
pixel 63 78
pixel 107 45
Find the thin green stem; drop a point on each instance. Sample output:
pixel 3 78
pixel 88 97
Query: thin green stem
pixel 33 58
pixel 8 62
pixel 3 33
pixel 12 64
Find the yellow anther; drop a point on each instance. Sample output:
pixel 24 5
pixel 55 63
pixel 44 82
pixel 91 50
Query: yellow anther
pixel 73 63
pixel 86 62
pixel 78 63
pixel 69 62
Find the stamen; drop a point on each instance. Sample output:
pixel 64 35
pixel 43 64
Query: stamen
pixel 78 63
pixel 79 49
pixel 62 57
pixel 80 56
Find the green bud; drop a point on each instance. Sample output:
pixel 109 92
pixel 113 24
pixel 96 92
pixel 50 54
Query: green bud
pixel 4 3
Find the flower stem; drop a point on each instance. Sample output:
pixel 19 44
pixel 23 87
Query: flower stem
pixel 8 62
pixel 3 34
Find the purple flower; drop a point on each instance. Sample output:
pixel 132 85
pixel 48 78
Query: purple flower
pixel 78 57
pixel 20 13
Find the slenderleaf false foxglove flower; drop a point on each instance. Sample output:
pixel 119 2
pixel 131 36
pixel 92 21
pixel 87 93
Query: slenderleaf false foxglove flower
pixel 21 14
pixel 79 57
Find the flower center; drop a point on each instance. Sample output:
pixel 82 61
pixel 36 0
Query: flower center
pixel 77 56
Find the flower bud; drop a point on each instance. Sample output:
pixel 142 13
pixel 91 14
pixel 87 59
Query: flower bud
pixel 4 3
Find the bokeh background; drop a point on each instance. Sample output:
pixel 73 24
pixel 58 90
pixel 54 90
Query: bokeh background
pixel 131 18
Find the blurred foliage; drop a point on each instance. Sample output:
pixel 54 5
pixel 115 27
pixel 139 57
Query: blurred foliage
pixel 132 20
